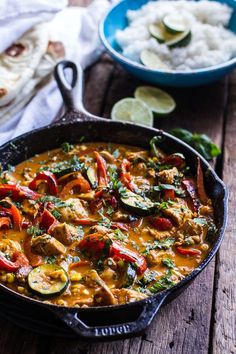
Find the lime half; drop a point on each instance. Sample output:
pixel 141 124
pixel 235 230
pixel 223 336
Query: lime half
pixel 157 100
pixel 151 60
pixel 132 110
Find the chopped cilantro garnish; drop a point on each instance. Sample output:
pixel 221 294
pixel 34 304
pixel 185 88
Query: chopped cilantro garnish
pixel 162 245
pixel 165 282
pixel 34 231
pixel 66 147
pixel 168 262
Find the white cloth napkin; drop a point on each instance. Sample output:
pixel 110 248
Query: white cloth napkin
pixel 77 28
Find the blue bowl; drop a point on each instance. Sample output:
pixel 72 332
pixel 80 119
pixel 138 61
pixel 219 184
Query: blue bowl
pixel 116 19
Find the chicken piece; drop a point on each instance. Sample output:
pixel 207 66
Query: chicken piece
pixel 134 155
pixel 87 196
pixel 120 216
pixel 142 183
pixel 73 210
pixel 191 232
pixel 123 296
pixel 168 176
pixel 64 233
pixel 155 257
pixel 190 227
pixel 158 235
pixel 100 229
pixel 103 295
pixel 107 156
pixel 152 258
pixel 30 208
pixel 207 210
pixel 47 245
pixel 178 211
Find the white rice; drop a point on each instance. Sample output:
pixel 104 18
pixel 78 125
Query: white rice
pixel 211 43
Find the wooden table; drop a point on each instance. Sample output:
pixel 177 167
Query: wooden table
pixel 203 319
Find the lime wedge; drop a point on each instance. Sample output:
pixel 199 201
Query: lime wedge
pixel 132 110
pixel 157 100
pixel 174 24
pixel 152 61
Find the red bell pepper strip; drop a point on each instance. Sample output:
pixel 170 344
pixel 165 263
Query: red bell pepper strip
pixel 168 194
pixel 191 189
pixel 119 251
pixel 85 222
pixel 7 265
pixel 125 175
pixel 101 170
pixel 188 251
pixel 200 183
pixel 5 222
pixel 99 193
pixel 97 243
pixel 34 259
pixel 47 220
pixel 81 183
pixel 119 225
pixel 16 217
pixel 14 212
pixel 176 160
pixel 48 177
pixel 17 192
pixel 78 264
pixel 162 224
pixel 19 260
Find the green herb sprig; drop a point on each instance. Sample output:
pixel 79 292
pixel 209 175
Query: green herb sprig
pixel 200 142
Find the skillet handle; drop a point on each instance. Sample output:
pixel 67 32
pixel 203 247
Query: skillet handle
pixel 127 328
pixel 68 89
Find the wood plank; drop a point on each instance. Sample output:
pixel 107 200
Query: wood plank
pixel 224 329
pixel 16 341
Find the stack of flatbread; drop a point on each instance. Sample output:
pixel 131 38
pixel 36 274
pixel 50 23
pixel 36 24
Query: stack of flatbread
pixel 25 67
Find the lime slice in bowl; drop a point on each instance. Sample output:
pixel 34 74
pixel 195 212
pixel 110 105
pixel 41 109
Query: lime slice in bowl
pixel 132 110
pixel 174 24
pixel 151 60
pixel 172 40
pixel 157 30
pixel 157 100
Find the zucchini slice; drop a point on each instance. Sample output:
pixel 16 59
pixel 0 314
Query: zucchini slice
pixel 67 171
pixel 92 176
pixel 174 24
pixel 137 204
pixel 48 280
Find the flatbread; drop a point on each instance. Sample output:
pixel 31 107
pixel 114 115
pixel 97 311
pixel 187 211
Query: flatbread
pixel 19 62
pixel 55 52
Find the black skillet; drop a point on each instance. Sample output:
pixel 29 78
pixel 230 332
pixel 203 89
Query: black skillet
pixel 110 322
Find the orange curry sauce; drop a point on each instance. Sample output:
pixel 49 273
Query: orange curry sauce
pixel 116 223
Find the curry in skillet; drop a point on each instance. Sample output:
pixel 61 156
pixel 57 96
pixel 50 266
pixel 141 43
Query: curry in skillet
pixel 101 224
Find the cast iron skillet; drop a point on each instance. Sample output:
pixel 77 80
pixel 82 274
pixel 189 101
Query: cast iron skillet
pixel 109 322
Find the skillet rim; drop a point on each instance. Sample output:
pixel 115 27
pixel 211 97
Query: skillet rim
pixel 185 280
